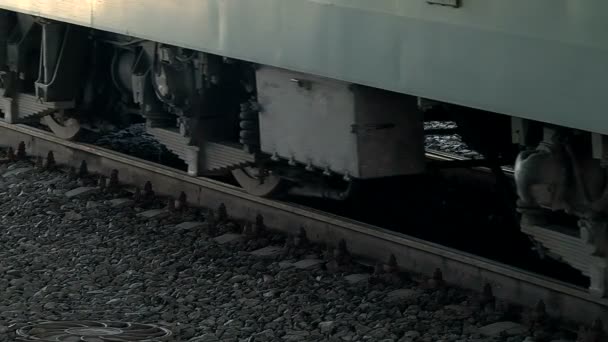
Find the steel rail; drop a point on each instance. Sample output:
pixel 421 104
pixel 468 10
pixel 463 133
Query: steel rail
pixel 364 241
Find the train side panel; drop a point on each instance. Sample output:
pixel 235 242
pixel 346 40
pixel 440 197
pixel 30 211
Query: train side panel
pixel 543 60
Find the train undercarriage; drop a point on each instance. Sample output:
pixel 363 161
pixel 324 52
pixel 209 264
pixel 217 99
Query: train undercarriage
pixel 280 131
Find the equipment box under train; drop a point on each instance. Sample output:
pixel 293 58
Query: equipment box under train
pixel 353 130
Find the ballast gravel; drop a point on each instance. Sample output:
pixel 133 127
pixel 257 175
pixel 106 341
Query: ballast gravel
pixel 449 143
pixel 81 257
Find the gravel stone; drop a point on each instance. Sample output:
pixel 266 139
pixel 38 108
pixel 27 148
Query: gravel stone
pixel 17 171
pixel 307 263
pixel 154 214
pixel 121 202
pixel 84 258
pixel 228 238
pixel 189 225
pixel 81 192
pixel 506 327
pixel 268 252
pixel 357 278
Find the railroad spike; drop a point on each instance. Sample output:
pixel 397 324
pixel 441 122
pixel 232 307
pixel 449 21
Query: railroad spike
pixel 21 154
pixel 259 222
pixel 391 266
pixel 222 213
pixel 301 238
pixel 50 161
pixel 487 295
pixel 84 169
pixel 540 311
pixel 181 202
pixel 341 254
pixel 114 183
pixel 10 154
pixel 148 192
pixel 437 280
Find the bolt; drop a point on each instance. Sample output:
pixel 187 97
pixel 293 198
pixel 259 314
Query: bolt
pixel 292 161
pixel 309 166
pixel 21 151
pixel 50 161
pixel 222 213
pixel 84 170
pixel 10 154
pixel 114 183
pixel 275 157
pixel 327 171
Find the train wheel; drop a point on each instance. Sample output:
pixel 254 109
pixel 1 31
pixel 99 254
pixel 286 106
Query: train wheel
pixel 66 129
pixel 249 178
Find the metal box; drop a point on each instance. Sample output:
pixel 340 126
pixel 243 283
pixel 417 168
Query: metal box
pixel 333 125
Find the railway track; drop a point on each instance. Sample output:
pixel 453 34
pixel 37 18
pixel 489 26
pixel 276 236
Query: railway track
pixel 369 244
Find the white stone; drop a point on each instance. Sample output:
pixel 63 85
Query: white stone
pixel 228 238
pixel 17 171
pixel 267 252
pixel 326 327
pixel 356 278
pixel 82 191
pixel 120 202
pixel 307 263
pixel 189 225
pixel 509 328
pixel 154 213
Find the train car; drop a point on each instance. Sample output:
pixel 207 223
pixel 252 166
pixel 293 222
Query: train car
pixel 309 96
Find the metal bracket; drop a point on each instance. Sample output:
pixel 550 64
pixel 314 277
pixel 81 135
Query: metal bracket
pixel 450 3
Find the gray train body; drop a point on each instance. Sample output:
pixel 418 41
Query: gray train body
pixel 290 93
